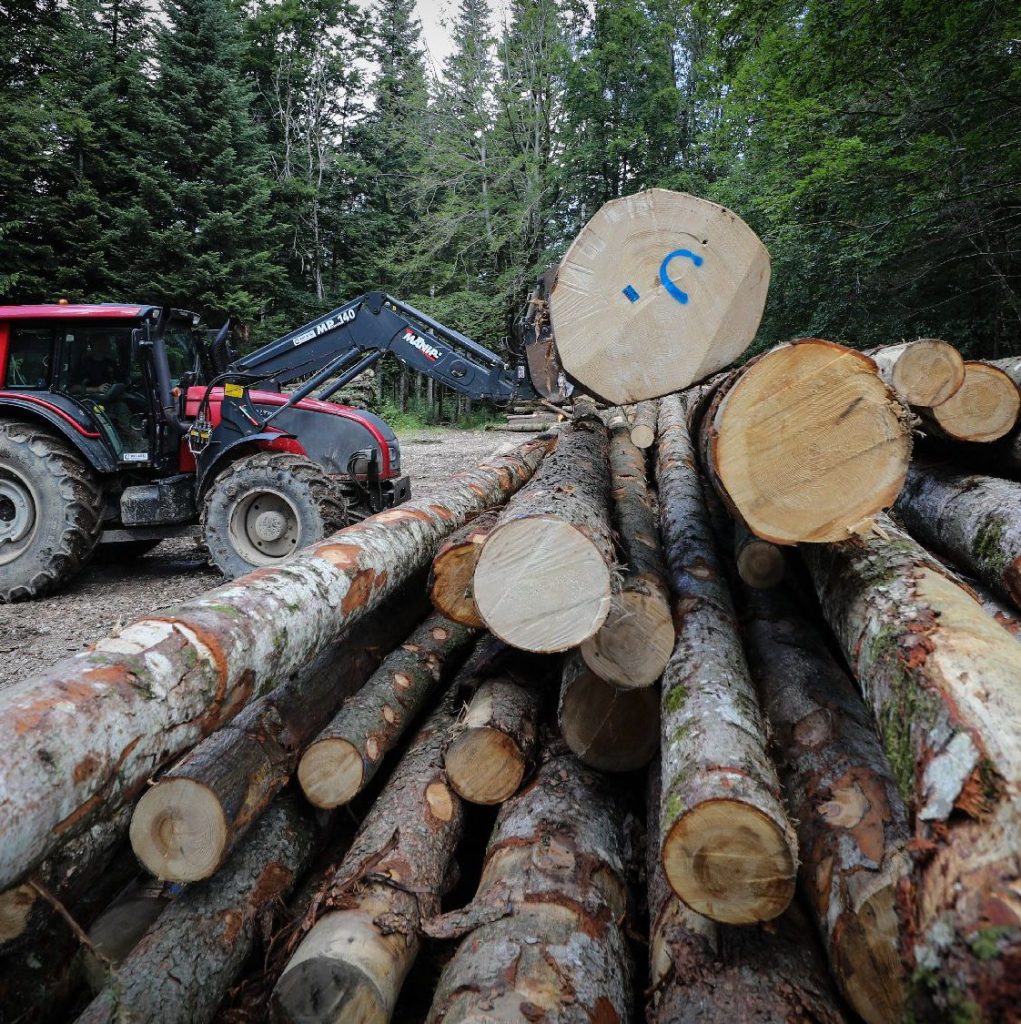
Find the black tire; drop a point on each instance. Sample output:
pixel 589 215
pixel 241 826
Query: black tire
pixel 50 508
pixel 124 550
pixel 260 494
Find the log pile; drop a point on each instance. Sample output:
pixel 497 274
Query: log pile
pixel 723 659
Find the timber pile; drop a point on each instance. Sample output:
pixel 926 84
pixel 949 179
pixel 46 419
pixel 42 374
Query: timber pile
pixel 725 654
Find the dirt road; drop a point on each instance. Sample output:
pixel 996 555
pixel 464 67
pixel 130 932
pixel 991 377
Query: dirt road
pixel 37 633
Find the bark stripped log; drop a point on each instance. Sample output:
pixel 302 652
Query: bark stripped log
pixel 451 586
pixel 545 576
pixel 633 645
pixel 805 442
pixel 346 754
pixel 924 372
pixel 974 520
pixel 351 965
pixel 544 940
pixel 621 298
pixel 701 972
pixel 185 963
pixel 728 849
pixel 941 678
pixel 760 564
pixel 493 745
pixel 84 736
pixel 643 424
pixel 984 408
pixel 608 728
pixel 851 822
pixel 186 824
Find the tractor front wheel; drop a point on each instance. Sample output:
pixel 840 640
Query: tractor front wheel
pixel 50 508
pixel 264 508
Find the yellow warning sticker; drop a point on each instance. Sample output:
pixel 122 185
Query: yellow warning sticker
pixel 233 390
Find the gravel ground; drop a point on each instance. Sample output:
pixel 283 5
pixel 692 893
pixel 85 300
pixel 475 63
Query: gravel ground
pixel 35 634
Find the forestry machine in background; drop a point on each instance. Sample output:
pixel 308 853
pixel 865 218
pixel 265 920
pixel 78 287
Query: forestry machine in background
pixel 121 425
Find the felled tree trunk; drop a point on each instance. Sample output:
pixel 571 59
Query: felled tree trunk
pixel 82 738
pixel 701 972
pixel 852 826
pixel 805 442
pixel 643 424
pixel 346 754
pixel 984 408
pixel 728 849
pixel 544 940
pixel 544 579
pixel 185 963
pixel 493 746
pixel 633 645
pixel 647 270
pixel 186 824
pixel 451 586
pixel 973 520
pixel 608 728
pixel 924 372
pixel 760 563
pixel 351 965
pixel 941 678
pixel 1000 458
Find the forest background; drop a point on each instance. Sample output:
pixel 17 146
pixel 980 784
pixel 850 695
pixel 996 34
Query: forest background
pixel 271 159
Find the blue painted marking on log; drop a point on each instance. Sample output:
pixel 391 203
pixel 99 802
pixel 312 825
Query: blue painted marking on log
pixel 677 293
pixel 630 292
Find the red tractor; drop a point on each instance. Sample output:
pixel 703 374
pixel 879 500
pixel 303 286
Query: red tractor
pixel 121 425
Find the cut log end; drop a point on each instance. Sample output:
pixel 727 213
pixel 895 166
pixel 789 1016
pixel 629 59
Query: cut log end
pixel 809 442
pixel 541 585
pixel 330 772
pixel 179 831
pixel 730 862
pixel 760 564
pixel 451 590
pixel 327 989
pixel 642 435
pixel 485 765
pixel 635 642
pixel 927 372
pixel 984 408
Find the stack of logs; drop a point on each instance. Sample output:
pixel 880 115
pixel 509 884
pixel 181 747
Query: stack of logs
pixel 717 701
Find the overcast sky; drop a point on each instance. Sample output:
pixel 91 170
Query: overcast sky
pixel 436 17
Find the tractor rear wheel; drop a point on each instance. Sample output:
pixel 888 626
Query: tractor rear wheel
pixel 50 511
pixel 262 509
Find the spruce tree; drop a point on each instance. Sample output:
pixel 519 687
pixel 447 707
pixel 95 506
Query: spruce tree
pixel 216 245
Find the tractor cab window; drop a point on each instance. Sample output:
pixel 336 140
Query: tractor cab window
pixel 96 368
pixel 182 352
pixel 30 357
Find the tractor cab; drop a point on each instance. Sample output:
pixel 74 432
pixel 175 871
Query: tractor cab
pixel 85 367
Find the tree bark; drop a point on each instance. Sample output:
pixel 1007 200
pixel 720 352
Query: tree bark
pixel 759 563
pixel 984 408
pixel 621 298
pixel 351 965
pixel 544 939
pixel 634 644
pixel 701 972
pixel 643 424
pixel 186 962
pixel 451 584
pixel 924 373
pixel 851 822
pixel 608 728
pixel 974 520
pixel 347 753
pixel 82 738
pixel 544 579
pixel 1000 458
pixel 493 746
pixel 728 848
pixel 940 676
pixel 805 442
pixel 186 824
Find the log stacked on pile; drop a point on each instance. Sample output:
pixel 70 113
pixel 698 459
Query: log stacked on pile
pixel 888 796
